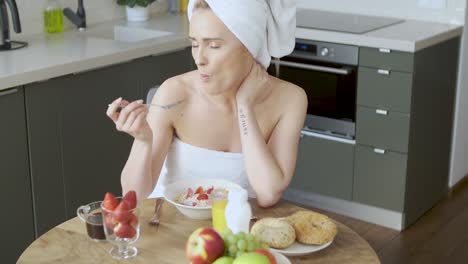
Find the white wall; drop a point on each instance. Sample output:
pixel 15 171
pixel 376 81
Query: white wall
pixel 459 166
pixel 96 11
pixel 452 11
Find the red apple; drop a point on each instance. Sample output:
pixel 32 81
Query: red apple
pixel 204 246
pixel 266 253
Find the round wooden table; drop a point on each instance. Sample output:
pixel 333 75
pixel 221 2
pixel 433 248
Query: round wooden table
pixel 69 242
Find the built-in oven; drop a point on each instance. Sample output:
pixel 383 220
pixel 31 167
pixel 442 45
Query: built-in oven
pixel 328 74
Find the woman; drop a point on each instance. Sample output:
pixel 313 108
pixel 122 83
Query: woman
pixel 227 119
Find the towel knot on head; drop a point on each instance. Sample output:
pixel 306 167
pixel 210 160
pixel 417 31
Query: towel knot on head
pixel 265 27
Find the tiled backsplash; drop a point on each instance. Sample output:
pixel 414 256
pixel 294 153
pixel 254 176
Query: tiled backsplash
pixel 452 11
pixel 96 11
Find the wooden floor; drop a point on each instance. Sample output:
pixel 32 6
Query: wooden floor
pixel 439 236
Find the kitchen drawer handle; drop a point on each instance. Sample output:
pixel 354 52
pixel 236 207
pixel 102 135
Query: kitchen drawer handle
pixel 341 71
pixel 383 50
pixel 381 112
pixel 383 72
pixel 379 151
pixel 7 92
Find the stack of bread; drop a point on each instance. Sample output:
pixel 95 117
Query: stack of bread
pixel 305 226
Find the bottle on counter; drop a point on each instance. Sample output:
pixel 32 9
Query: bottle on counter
pixel 53 17
pixel 183 6
pixel 238 211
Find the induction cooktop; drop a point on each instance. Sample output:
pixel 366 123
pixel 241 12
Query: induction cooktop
pixel 342 22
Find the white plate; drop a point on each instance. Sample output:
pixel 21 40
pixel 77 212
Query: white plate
pixel 280 258
pixel 299 249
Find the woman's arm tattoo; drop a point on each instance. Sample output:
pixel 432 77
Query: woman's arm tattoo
pixel 243 120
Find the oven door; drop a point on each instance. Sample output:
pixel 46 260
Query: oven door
pixel 330 89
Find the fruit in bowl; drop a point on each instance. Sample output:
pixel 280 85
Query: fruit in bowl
pixel 204 246
pixel 184 193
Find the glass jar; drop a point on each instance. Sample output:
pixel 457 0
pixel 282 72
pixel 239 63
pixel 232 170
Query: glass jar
pixel 53 17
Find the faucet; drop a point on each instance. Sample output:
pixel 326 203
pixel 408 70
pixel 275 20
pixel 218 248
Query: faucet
pixel 78 18
pixel 5 42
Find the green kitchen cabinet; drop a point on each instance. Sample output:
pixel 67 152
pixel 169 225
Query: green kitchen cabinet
pixel 404 120
pixel 15 185
pixel 76 153
pixel 324 166
pixel 154 70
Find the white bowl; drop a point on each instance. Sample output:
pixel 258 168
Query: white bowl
pixel 175 189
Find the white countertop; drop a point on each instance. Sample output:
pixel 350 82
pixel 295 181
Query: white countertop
pixel 53 55
pixel 409 36
pixel 49 56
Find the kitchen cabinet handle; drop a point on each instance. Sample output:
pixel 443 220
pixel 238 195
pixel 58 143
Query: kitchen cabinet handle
pixel 306 133
pixel 341 71
pixel 379 151
pixel 7 92
pixel 383 50
pixel 381 112
pixel 383 72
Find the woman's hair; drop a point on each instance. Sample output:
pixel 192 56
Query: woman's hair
pixel 201 4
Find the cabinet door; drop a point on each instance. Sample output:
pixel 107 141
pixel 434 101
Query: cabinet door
pixel 17 224
pixel 324 166
pixel 76 153
pixel 380 178
pixel 389 130
pixel 154 70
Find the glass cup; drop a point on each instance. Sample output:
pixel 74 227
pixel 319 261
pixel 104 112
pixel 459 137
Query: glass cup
pixel 92 216
pixel 218 206
pixel 122 228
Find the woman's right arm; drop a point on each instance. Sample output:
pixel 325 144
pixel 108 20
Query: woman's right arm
pixel 152 130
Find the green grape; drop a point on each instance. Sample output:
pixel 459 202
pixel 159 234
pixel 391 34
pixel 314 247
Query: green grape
pixel 251 245
pixel 226 232
pixel 239 253
pixel 264 246
pixel 232 239
pixel 240 235
pixel 241 245
pixel 249 237
pixel 232 249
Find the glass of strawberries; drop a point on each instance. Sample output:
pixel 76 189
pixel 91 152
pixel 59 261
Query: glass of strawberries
pixel 121 224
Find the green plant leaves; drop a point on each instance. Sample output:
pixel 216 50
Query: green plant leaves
pixel 132 3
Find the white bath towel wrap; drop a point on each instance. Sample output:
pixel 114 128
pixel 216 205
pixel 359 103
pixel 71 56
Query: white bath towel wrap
pixel 265 27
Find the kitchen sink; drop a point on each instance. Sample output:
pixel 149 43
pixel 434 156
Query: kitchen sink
pixel 126 34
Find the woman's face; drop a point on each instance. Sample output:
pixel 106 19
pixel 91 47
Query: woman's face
pixel 222 60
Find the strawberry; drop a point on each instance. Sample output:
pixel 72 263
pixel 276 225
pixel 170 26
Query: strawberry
pixel 123 212
pixel 131 198
pixel 109 221
pixel 199 190
pixel 124 230
pixel 133 220
pixel 210 190
pixel 202 196
pixel 110 202
pixel 189 193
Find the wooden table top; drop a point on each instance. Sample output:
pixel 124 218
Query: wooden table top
pixel 69 242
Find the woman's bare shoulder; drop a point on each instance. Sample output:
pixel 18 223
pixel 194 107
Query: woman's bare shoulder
pixel 288 92
pixel 174 90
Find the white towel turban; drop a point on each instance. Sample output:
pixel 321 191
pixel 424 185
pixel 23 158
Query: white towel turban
pixel 265 27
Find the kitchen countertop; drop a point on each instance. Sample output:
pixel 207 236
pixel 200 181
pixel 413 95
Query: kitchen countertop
pixel 409 36
pixel 50 56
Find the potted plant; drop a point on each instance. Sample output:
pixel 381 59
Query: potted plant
pixel 137 10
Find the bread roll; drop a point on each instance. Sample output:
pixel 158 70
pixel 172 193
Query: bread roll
pixel 275 232
pixel 312 228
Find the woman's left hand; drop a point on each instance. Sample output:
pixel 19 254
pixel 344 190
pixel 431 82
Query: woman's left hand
pixel 255 87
